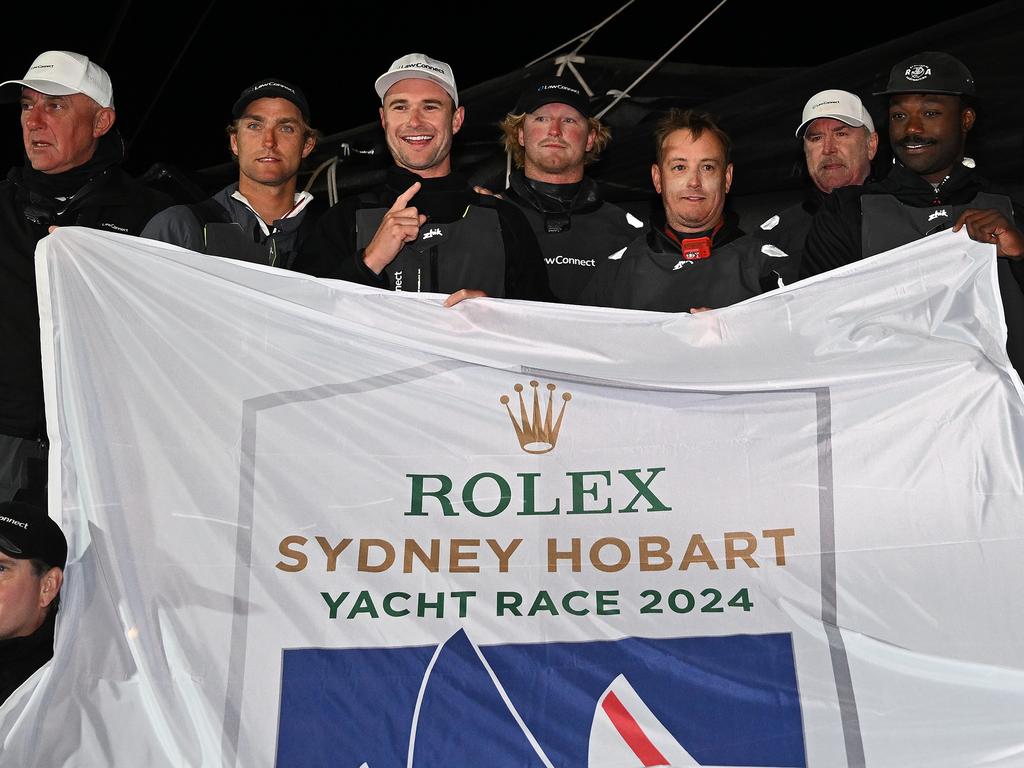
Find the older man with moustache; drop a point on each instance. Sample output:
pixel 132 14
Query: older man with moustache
pixel 933 186
pixel 696 259
pixel 425 228
pixel 72 176
pixel 260 218
pixel 839 142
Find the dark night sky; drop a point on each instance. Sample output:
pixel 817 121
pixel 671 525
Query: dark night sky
pixel 178 66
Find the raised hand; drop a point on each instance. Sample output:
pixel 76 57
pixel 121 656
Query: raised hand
pixel 401 225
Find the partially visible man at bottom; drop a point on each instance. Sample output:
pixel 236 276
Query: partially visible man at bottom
pixel 33 552
pixel 696 259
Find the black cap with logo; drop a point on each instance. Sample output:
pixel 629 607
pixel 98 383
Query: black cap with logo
pixel 930 72
pixel 553 90
pixel 271 88
pixel 28 533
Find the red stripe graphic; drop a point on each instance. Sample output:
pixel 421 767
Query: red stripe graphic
pixel 631 732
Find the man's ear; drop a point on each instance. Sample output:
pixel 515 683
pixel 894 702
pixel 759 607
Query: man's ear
pixel 967 118
pixel 656 177
pixel 103 121
pixel 872 144
pixel 50 586
pixel 309 146
pixel 233 140
pixel 728 177
pixel 457 118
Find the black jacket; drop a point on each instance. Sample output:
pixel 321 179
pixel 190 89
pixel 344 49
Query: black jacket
pixel 468 241
pixel 788 229
pixel 111 201
pixel 574 237
pixel 20 657
pixel 652 274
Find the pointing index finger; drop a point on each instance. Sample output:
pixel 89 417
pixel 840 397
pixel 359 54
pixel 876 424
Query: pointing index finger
pixel 402 201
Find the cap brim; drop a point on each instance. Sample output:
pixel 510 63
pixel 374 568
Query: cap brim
pixel 48 87
pixel 385 81
pixel 938 91
pixel 848 119
pixel 8 547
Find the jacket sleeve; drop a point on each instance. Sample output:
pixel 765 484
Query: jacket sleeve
pixel 834 238
pixel 526 277
pixel 330 250
pixel 176 225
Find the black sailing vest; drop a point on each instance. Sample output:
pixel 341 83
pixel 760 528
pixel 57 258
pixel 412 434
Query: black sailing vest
pixel 886 223
pixel 224 237
pixel 466 253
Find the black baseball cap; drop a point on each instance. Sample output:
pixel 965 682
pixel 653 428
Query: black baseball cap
pixel 553 90
pixel 28 533
pixel 271 88
pixel 930 72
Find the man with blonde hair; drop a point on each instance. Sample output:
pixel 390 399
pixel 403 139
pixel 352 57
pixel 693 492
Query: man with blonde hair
pixel 551 137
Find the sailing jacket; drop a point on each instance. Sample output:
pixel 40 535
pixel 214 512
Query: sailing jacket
pixel 573 237
pixel 468 241
pixel 110 201
pixel 654 274
pixel 225 225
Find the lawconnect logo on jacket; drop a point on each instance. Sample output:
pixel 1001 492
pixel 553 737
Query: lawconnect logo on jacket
pixel 602 704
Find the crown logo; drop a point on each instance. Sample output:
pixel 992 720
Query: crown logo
pixel 537 435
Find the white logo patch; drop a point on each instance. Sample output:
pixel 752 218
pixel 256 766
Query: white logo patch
pixel 771 223
pixel 633 221
pixel 941 213
pixel 917 72
pixel 775 253
pixel 617 255
pixel 431 233
pixel 681 264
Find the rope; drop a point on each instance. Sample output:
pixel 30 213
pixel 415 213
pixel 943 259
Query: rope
pixel 583 37
pixel 658 63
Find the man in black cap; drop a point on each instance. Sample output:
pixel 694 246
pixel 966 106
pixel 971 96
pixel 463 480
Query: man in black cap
pixel 425 229
pixel 33 552
pixel 551 137
pixel 931 187
pixel 261 218
pixel 72 176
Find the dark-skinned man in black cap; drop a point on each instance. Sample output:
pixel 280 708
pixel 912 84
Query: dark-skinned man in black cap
pixel 931 187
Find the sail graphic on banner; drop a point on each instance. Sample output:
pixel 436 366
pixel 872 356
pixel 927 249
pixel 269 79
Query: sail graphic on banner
pixel 626 731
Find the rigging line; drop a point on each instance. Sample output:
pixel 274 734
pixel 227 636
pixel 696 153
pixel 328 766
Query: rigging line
pixel 115 29
pixel 170 72
pixel 658 63
pixel 583 37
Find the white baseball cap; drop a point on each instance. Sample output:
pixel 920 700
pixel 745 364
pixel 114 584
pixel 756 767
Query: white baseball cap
pixel 62 73
pixel 418 66
pixel 839 105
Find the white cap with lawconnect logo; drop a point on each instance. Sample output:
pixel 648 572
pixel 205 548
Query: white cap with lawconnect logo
pixel 62 73
pixel 417 66
pixel 839 105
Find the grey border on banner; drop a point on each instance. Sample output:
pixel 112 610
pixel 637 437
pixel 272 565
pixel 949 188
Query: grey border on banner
pixel 251 409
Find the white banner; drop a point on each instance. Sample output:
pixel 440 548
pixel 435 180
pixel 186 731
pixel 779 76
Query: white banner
pixel 313 524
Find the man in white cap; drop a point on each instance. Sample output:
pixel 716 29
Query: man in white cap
pixel 72 175
pixel 839 141
pixel 425 228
